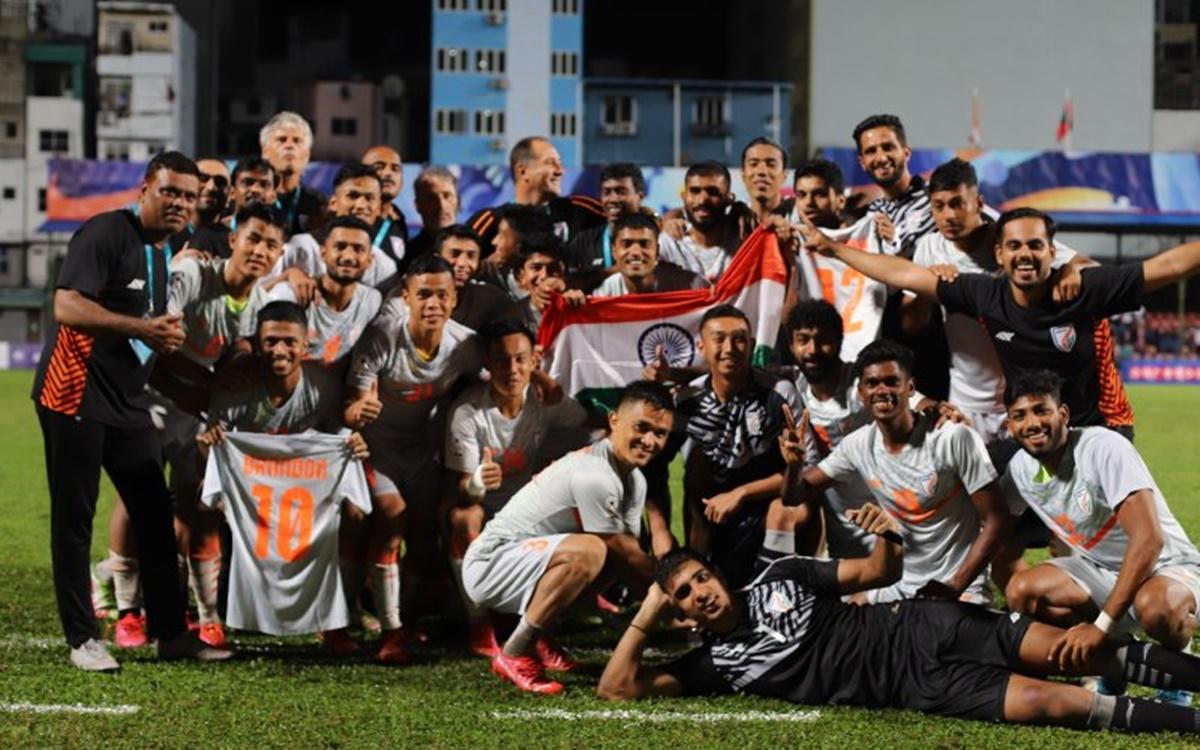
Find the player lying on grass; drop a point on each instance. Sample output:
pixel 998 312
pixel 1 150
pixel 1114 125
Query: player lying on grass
pixel 789 635
pixel 1131 563
pixel 566 533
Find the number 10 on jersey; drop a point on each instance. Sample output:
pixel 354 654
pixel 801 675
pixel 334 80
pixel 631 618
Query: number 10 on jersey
pixel 293 522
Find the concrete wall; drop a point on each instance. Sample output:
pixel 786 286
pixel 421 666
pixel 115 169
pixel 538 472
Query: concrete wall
pixel 344 99
pixel 920 59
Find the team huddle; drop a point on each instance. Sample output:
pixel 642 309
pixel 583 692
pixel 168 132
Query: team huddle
pixel 358 422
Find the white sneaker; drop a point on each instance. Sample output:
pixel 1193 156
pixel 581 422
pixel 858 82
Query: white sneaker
pixel 187 645
pixel 93 656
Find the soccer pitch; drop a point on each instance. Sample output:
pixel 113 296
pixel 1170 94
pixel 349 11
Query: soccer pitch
pixel 286 693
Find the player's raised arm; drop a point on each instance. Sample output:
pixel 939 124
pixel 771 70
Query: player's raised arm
pixel 624 677
pixel 885 565
pixel 889 269
pixel 1169 266
pixel 800 484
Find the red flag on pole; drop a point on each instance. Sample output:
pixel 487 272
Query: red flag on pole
pixel 1066 123
pixel 975 138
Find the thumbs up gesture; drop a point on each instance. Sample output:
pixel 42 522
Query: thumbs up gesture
pixel 659 369
pixel 365 409
pixel 791 438
pixel 490 471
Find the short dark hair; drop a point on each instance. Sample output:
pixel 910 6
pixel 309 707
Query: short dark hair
pixel 541 244
pixel 881 351
pixel 253 164
pixel 953 174
pixel 620 170
pixel 528 222
pixel 648 391
pixel 522 151
pixel 1024 213
pixel 879 121
pixel 281 311
pixel 762 140
pixel 673 561
pixel 1033 383
pixel 262 212
pixel 427 263
pixel 815 313
pixel 823 169
pixel 635 220
pixel 725 311
pixel 172 161
pixel 492 332
pixel 345 222
pixel 708 169
pixel 456 231
pixel 354 170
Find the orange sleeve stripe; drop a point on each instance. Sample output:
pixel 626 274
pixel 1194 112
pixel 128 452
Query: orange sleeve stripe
pixel 483 221
pixel 66 373
pixel 1114 403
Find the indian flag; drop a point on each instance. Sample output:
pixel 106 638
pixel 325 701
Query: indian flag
pixel 595 350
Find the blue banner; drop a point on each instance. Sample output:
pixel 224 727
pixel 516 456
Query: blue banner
pixel 1177 371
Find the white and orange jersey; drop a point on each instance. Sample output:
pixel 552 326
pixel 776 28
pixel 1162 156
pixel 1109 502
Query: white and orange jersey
pixel 212 321
pixel 860 300
pixel 926 487
pixel 332 334
pixel 476 424
pixel 314 404
pixel 304 252
pixel 413 389
pixel 1079 501
pixel 582 492
pixel 282 496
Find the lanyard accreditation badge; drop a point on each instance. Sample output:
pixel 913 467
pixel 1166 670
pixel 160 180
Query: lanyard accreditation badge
pixel 140 348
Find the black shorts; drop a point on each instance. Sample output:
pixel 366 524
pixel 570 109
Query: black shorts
pixel 955 659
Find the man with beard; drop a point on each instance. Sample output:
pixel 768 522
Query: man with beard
pixel 435 193
pixel 110 317
pixel 764 170
pixel 537 173
pixel 497 434
pixel 207 233
pixel 478 302
pixel 883 153
pixel 1028 328
pixel 356 193
pixel 790 635
pixel 937 482
pixel 573 526
pixel 590 255
pixel 286 142
pixel 635 258
pixel 385 160
pixel 1131 564
pixel 712 234
pixel 404 371
pixel 828 391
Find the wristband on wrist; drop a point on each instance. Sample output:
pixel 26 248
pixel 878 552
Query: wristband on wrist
pixel 1103 623
pixel 635 626
pixel 475 486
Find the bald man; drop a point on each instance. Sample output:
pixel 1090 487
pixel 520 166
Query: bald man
pixel 385 160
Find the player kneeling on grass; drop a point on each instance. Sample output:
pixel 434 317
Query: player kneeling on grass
pixel 1131 564
pixel 789 635
pixel 497 431
pixel 566 531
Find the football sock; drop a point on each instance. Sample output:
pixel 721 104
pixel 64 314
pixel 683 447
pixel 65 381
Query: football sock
pixel 205 574
pixel 126 581
pixel 1140 715
pixel 1156 666
pixel 522 639
pixel 776 544
pixel 384 575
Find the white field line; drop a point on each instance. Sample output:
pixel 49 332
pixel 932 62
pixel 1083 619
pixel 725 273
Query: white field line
pixel 656 717
pixel 67 708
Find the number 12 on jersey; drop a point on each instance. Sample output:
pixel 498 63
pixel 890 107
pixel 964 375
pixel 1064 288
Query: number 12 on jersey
pixel 293 518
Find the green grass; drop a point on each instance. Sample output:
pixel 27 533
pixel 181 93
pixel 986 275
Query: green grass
pixel 284 693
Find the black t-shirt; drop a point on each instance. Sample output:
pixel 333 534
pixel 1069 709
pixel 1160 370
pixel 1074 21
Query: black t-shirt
pixel 1073 340
pixel 797 641
pixel 571 215
pixel 210 238
pixel 302 207
pixel 479 303
pixel 421 244
pixel 101 376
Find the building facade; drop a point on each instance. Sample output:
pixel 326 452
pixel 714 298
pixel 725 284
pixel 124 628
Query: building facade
pixel 502 70
pixel 146 61
pixel 677 123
